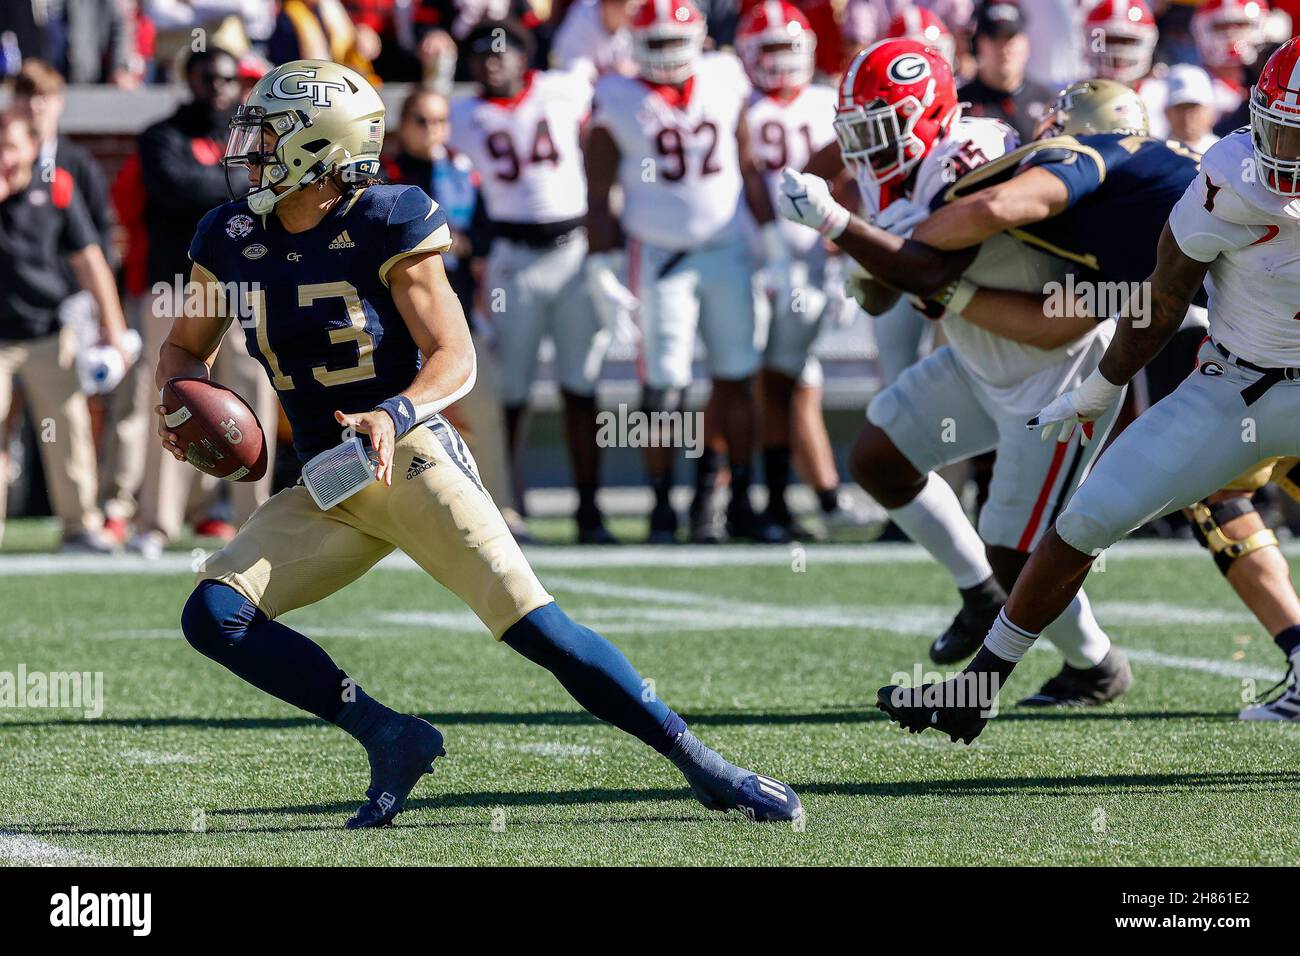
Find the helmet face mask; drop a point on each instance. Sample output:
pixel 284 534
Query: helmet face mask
pixel 667 40
pixel 1120 40
pixel 1276 136
pixel 1126 58
pixel 1275 121
pixel 874 142
pixel 1229 33
pixel 776 44
pixel 898 99
pixel 302 122
pixel 668 58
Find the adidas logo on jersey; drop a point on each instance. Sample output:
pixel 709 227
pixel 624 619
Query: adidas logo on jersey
pixel 343 241
pixel 419 465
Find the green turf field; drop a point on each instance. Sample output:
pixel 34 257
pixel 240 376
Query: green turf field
pixel 772 656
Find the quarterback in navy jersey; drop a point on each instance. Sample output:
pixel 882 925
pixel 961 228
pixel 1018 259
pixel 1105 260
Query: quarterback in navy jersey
pixel 340 288
pixel 325 343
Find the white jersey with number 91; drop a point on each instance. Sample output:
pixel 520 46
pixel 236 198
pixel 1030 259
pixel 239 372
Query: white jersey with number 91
pixel 678 169
pixel 787 133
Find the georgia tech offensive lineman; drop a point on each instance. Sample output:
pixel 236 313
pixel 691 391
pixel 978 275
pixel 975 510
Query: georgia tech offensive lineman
pixel 356 325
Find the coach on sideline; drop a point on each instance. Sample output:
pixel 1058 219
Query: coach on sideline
pixel 42 220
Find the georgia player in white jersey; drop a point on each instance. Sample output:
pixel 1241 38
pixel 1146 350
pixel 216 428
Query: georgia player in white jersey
pixel 521 132
pixel 790 118
pixel 1238 235
pixel 900 130
pixel 676 141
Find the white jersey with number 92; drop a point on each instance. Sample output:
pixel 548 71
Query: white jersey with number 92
pixel 678 169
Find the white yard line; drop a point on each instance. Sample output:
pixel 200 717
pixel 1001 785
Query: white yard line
pixel 629 556
pixel 29 851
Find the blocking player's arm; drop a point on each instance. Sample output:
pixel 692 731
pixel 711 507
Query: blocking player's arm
pixel 601 157
pixel 1029 196
pixel 1023 317
pixel 1139 337
pixel 905 264
pixel 191 345
pixel 434 317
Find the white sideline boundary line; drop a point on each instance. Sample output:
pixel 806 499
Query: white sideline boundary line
pixel 564 557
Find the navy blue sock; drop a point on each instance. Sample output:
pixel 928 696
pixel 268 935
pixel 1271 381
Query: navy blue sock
pixel 224 625
pixel 596 673
pixel 1288 639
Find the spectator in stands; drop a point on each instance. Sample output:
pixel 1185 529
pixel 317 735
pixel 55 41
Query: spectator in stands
pixel 407 40
pixel 182 176
pixel 593 38
pixel 89 41
pixel 42 220
pixel 38 96
pixel 1000 87
pixel 318 30
pixel 1190 108
pixel 229 24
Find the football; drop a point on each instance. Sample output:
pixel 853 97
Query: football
pixel 218 430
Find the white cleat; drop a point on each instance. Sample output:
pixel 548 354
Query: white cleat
pixel 1286 706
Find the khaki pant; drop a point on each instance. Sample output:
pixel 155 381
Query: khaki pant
pixel 128 432
pixel 291 554
pixel 479 416
pixel 169 484
pixel 46 370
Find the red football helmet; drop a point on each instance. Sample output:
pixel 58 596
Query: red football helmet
pixel 776 44
pixel 667 38
pixel 1120 39
pixel 918 23
pixel 1229 32
pixel 1275 120
pixel 897 99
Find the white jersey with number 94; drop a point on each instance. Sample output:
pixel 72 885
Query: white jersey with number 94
pixel 526 148
pixel 678 168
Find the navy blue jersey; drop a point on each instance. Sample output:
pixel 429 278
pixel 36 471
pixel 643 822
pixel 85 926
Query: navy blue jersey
pixel 315 306
pixel 1122 189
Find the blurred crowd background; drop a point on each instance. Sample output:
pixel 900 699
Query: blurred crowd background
pixel 129 101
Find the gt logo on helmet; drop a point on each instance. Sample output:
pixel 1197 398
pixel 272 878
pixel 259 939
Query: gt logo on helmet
pixel 908 68
pixel 315 90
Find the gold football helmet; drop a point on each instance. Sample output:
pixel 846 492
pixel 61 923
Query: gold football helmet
pixel 302 121
pixel 1094 106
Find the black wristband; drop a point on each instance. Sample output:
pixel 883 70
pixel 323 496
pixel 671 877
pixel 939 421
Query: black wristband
pixel 402 411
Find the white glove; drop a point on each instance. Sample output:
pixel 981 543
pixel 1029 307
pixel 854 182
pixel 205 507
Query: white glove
pixel 614 302
pixel 900 217
pixel 807 200
pixel 1082 406
pixel 776 263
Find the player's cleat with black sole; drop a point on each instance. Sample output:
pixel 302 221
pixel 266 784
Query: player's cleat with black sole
pixel 663 525
pixel 395 768
pixel 788 524
pixel 1087 686
pixel 921 708
pixel 979 609
pixel 591 528
pixel 745 524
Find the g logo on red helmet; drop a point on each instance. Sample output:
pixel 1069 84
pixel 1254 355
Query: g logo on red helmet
pixel 908 68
